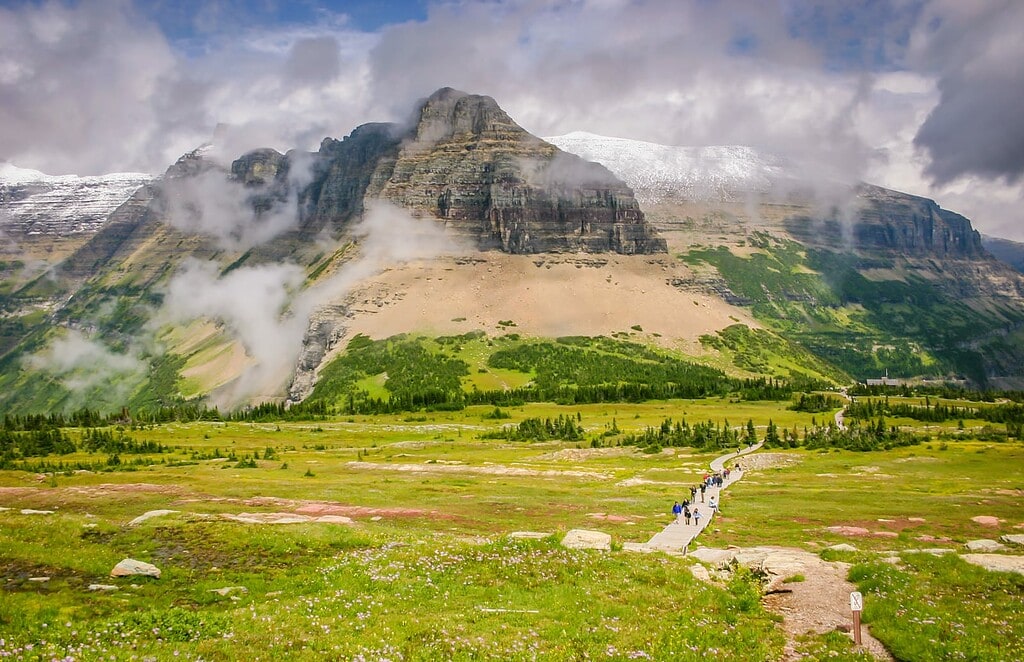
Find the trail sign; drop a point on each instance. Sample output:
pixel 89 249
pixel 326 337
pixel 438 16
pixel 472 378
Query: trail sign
pixel 856 605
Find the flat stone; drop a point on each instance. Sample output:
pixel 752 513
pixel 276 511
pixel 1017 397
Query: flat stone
pixel 335 519
pixel 885 534
pixel 986 520
pixel 997 562
pixel 716 557
pixel 30 511
pixel 102 587
pixel 39 579
pixel 584 539
pixel 916 520
pixel 131 567
pixel 228 590
pixel 842 547
pixel 848 530
pixel 934 551
pixel 529 535
pixel 701 573
pixel 268 518
pixel 930 538
pixel 150 515
pixel 1013 538
pixel 985 545
pixel 640 547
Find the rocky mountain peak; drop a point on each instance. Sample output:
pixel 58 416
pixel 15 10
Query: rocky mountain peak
pixel 448 112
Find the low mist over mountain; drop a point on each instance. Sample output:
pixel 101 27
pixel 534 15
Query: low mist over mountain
pixel 245 282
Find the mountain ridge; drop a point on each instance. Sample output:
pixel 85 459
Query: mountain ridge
pixel 553 246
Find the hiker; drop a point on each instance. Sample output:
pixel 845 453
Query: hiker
pixel 677 511
pixel 703 487
pixel 693 494
pixel 696 517
pixel 711 504
pixel 686 515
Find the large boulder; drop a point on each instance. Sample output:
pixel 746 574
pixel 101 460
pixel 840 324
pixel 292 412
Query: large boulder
pixel 133 568
pixel 985 545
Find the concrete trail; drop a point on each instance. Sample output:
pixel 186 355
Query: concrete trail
pixel 677 536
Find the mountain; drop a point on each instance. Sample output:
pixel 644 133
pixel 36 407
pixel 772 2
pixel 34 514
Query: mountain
pixel 661 172
pixel 248 281
pixel 33 203
pixel 868 278
pixel 1004 250
pixel 44 218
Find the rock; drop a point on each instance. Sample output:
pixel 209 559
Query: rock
pixel 716 557
pixel 30 511
pixel 997 562
pixel 584 539
pixel 986 520
pixel 334 519
pixel 916 520
pixel 102 587
pixel 701 573
pixel 848 530
pixel 1013 538
pixel 985 545
pixel 842 547
pixel 131 567
pixel 885 534
pixel 929 538
pixel 934 551
pixel 228 590
pixel 640 547
pixel 891 560
pixel 529 535
pixel 268 518
pixel 39 580
pixel 149 515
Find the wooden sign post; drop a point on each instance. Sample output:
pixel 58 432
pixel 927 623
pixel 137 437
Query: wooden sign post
pixel 856 605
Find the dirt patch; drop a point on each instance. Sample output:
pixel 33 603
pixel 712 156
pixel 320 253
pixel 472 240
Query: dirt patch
pixel 107 489
pixel 327 508
pixel 757 461
pixel 495 470
pixel 580 454
pixel 819 604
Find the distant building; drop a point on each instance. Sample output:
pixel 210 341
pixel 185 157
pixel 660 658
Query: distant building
pixel 885 381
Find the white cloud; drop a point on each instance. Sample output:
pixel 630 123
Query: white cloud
pixel 94 87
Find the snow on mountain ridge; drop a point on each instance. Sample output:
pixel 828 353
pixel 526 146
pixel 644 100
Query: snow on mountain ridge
pixel 656 172
pixel 34 203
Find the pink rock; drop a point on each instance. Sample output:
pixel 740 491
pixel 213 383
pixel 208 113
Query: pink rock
pixel 848 530
pixel 885 534
pixel 928 538
pixel 986 520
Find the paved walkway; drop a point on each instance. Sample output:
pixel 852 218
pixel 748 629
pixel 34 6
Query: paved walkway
pixel 676 537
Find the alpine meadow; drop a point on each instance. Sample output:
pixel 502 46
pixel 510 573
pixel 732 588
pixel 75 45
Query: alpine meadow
pixel 306 355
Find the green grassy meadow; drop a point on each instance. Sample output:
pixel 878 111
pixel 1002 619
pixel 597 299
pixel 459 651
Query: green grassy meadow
pixel 427 569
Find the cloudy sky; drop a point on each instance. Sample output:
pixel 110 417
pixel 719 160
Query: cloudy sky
pixel 926 96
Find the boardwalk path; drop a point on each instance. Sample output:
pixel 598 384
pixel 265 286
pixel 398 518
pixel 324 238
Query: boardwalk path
pixel 676 537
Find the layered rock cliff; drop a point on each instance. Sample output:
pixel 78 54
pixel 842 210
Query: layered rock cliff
pixel 465 162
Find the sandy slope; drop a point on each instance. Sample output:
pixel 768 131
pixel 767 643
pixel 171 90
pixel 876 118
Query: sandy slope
pixel 544 295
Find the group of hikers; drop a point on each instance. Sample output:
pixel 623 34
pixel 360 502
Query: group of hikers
pixel 687 511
